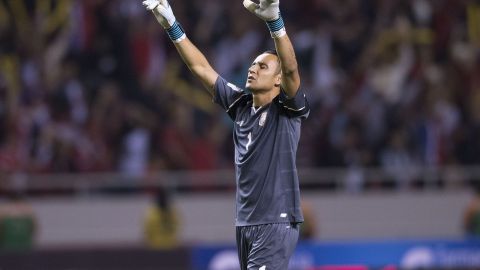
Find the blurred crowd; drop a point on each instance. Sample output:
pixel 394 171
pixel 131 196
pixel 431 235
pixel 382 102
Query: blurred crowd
pixel 95 85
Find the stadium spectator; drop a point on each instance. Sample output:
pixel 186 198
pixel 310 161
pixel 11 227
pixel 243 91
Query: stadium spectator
pixel 161 223
pixel 471 216
pixel 308 229
pixel 17 224
pixel 68 68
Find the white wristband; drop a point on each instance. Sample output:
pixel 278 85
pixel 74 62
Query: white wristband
pixel 276 27
pixel 278 33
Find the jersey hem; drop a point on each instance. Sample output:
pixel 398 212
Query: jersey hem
pixel 242 224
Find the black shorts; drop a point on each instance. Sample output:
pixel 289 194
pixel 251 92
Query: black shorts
pixel 266 246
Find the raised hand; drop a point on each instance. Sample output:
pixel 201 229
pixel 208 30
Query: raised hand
pixel 267 10
pixel 151 4
pixel 162 10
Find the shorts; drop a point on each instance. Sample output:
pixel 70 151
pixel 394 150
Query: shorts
pixel 266 246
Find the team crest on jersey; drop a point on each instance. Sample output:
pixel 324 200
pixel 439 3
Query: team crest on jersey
pixel 263 118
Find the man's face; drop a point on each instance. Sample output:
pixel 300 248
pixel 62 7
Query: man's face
pixel 264 73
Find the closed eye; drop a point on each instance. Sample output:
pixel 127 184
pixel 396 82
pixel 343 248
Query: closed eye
pixel 260 64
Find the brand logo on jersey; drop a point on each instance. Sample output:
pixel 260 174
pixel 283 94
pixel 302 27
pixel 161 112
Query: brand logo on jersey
pixel 249 140
pixel 240 123
pixel 263 268
pixel 263 118
pixel 234 87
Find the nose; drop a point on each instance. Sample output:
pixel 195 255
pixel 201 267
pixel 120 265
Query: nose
pixel 252 69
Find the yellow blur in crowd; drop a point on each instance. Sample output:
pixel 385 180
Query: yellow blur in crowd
pixel 161 224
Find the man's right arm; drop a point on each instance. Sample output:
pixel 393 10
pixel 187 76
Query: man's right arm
pixel 191 55
pixel 197 63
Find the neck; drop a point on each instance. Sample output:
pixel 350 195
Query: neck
pixel 264 98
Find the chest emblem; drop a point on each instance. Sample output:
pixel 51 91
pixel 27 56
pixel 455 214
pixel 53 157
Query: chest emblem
pixel 263 118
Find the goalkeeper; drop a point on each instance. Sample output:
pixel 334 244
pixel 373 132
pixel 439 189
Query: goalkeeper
pixel 266 132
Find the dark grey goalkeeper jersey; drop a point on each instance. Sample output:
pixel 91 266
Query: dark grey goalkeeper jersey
pixel 266 141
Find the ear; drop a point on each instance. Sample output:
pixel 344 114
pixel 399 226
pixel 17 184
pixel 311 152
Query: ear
pixel 278 80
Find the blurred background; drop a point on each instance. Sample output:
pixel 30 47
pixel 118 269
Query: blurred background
pixel 112 156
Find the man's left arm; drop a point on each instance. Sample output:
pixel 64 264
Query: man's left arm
pixel 290 75
pixel 269 11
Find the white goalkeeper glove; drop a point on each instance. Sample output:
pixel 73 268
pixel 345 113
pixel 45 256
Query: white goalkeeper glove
pixel 162 11
pixel 269 11
pixel 164 14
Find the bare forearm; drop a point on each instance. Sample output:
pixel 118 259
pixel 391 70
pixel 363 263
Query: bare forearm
pixel 190 54
pixel 197 63
pixel 289 65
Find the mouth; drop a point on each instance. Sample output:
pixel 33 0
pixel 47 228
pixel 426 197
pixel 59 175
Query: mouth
pixel 250 78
